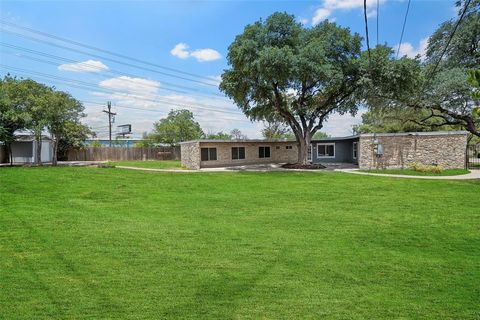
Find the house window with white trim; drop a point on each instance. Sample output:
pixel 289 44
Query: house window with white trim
pixel 326 150
pixel 355 150
pixel 309 153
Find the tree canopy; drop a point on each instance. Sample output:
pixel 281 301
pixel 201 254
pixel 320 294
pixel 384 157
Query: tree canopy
pixel 28 105
pixel 278 68
pixel 442 95
pixel 178 126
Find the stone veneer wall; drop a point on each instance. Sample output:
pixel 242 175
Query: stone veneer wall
pixel 447 151
pixel 224 153
pixel 190 155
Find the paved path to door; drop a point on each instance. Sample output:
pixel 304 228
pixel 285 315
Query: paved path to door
pixel 474 174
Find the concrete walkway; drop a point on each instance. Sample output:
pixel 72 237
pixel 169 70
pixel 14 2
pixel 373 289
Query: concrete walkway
pixel 245 168
pixel 474 174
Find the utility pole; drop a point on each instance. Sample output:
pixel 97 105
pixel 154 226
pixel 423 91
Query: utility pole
pixel 110 117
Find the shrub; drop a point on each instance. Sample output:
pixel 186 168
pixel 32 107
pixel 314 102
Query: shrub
pixel 426 168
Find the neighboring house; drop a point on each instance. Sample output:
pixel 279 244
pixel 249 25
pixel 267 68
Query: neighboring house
pixel 24 149
pixel 368 151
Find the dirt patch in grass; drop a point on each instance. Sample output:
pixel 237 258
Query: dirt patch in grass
pixel 315 166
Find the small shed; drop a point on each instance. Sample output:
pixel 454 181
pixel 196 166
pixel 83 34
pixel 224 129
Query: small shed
pixel 24 149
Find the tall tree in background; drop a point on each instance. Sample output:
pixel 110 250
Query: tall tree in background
pixel 443 97
pixel 29 105
pixel 36 97
pixel 236 134
pixel 276 129
pixel 302 75
pixel 73 135
pixel 13 112
pixel 178 126
pixel 218 136
pixel 62 118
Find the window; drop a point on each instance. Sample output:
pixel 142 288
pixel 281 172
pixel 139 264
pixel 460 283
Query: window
pixel 355 150
pixel 208 154
pixel 288 147
pixel 326 150
pixel 309 153
pixel 238 153
pixel 264 152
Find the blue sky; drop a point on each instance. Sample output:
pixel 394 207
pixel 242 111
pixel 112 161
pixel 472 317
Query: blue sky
pixel 188 36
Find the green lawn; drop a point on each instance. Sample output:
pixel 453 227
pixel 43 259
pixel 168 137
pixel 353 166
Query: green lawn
pixel 119 244
pixel 410 172
pixel 151 164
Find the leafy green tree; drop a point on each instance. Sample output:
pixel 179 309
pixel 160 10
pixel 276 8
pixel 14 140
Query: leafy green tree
pixel 278 68
pixel 380 119
pixel 95 144
pixel 13 112
pixel 73 136
pixel 146 141
pixel 319 135
pixel 178 126
pixel 444 94
pixel 62 117
pixel 218 136
pixel 276 129
pixel 236 134
pixel 37 99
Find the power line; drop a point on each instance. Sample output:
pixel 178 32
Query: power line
pixel 403 28
pixel 71 83
pixel 107 59
pixel 378 14
pixel 366 30
pixel 467 3
pixel 79 44
pixel 91 86
pixel 110 71
pixel 155 110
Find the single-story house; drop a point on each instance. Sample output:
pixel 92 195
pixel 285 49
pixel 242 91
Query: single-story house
pixel 367 151
pixel 24 149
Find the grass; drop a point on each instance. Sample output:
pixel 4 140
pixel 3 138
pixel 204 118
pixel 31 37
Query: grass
pixel 150 164
pixel 410 172
pixel 120 244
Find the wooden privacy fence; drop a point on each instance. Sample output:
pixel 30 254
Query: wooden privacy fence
pixel 124 154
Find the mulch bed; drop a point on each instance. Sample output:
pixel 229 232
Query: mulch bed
pixel 316 166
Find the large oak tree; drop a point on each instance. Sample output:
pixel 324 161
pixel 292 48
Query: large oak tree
pixel 281 69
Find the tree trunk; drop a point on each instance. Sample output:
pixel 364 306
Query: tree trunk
pixel 10 154
pixel 55 150
pixel 303 145
pixel 38 139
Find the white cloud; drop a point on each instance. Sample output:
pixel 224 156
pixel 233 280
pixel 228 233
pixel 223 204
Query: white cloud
pixel 371 13
pixel 180 51
pixel 85 66
pixel 341 125
pixel 348 4
pixel 320 15
pixel 407 49
pixel 202 55
pixel 303 21
pixel 128 84
pixel 329 6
